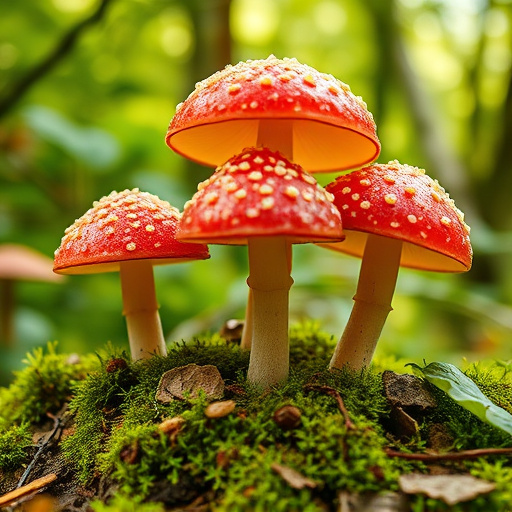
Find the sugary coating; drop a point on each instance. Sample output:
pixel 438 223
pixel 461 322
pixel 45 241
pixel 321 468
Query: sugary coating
pixel 323 109
pixel 403 202
pixel 123 226
pixel 260 193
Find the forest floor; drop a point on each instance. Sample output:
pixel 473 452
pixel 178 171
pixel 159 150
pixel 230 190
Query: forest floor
pixel 187 432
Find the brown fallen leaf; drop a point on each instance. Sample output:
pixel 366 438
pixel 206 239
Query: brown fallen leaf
pixel 452 489
pixel 220 409
pixel 186 382
pixel 293 478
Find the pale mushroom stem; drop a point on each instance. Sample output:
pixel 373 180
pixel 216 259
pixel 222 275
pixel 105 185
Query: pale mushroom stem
pixel 141 309
pixel 270 282
pixel 372 303
pixel 276 135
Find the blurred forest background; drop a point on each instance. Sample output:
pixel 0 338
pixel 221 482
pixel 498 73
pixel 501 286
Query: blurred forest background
pixel 88 87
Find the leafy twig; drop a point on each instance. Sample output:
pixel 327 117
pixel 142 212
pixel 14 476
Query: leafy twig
pixel 62 48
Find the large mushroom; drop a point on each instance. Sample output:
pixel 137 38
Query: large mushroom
pixel 129 232
pixel 393 215
pixel 260 199
pixel 311 118
pixel 19 263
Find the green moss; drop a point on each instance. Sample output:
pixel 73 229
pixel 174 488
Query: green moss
pixel 232 459
pixel 43 386
pixel 13 446
pixel 123 503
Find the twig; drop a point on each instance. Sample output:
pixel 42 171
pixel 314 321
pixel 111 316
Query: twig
pixel 336 395
pixel 62 48
pixel 33 486
pixel 465 454
pixel 44 443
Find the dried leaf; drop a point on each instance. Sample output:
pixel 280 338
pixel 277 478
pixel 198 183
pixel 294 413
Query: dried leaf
pixel 220 409
pixel 186 382
pixel 293 478
pixel 452 489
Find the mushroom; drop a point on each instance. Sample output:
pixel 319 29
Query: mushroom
pixel 129 232
pixel 393 215
pixel 311 118
pixel 19 263
pixel 260 199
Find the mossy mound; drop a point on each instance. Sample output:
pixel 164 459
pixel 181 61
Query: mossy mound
pixel 114 446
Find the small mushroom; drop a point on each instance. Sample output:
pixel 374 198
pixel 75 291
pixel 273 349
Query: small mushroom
pixel 260 199
pixel 393 215
pixel 19 263
pixel 129 232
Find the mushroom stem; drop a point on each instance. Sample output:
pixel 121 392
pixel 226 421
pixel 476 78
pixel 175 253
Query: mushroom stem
pixel 246 341
pixel 372 303
pixel 270 282
pixel 141 309
pixel 276 135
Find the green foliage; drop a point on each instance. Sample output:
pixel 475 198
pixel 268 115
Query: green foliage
pixel 467 394
pixel 13 444
pixel 122 503
pixel 43 386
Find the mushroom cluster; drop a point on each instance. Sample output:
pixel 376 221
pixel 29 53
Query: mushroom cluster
pixel 265 125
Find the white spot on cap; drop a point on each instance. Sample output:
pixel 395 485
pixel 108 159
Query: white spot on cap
pixel 150 228
pixel 308 196
pixel 412 219
pixel 291 191
pixel 244 166
pixel 346 190
pixel 355 196
pixel 267 203
pixel 394 224
pixel 266 189
pixel 390 198
pixel 240 194
pixel 252 213
pixel 365 205
pixel 131 246
pixel 234 88
pixel 446 221
pixel 255 176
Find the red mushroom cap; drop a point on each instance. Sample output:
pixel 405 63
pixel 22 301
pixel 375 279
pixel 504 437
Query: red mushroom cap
pixel 260 193
pixel 124 226
pixel 332 128
pixel 402 202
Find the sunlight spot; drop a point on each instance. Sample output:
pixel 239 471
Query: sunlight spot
pixel 254 21
pixel 73 5
pixel 330 17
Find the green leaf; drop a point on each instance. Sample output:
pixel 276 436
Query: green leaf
pixel 93 146
pixel 466 393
